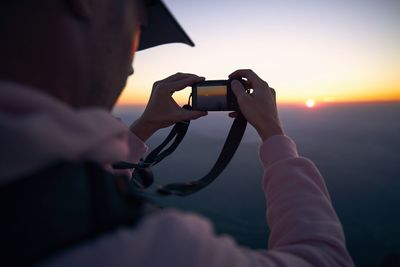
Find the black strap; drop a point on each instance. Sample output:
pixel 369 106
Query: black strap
pixel 144 177
pixel 158 154
pixel 58 207
pixel 231 144
pixel 178 131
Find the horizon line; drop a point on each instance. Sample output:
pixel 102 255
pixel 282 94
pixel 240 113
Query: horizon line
pixel 302 104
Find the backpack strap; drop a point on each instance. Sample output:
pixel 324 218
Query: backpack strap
pixel 60 207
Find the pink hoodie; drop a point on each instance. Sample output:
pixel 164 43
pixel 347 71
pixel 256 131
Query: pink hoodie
pixel 37 130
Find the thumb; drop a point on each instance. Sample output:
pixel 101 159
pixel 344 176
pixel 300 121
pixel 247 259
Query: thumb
pixel 238 89
pixel 192 114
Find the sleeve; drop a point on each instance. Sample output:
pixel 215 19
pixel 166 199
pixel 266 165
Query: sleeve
pixel 137 148
pixel 305 230
pixel 303 223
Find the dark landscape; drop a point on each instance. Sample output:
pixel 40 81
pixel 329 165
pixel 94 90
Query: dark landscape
pixel 355 146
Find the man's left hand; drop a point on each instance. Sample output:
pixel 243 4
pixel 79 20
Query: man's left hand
pixel 162 110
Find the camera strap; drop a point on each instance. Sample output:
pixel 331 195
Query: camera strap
pixel 144 176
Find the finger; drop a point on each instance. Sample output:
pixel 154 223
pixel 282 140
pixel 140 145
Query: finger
pixel 273 92
pixel 253 79
pixel 182 84
pixel 247 73
pixel 244 82
pixel 247 84
pixel 192 114
pixel 178 76
pixel 239 90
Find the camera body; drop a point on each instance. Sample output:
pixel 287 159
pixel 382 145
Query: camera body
pixel 214 95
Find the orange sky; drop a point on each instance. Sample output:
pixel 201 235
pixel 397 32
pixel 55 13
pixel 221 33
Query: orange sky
pixel 306 49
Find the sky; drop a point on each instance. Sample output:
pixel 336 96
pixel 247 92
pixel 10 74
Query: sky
pixel 328 51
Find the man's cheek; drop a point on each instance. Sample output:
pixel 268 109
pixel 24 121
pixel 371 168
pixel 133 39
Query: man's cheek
pixel 135 44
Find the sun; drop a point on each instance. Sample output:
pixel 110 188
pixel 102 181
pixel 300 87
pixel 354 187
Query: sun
pixel 310 103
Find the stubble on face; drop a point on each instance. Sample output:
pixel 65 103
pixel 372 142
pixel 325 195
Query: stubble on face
pixel 118 39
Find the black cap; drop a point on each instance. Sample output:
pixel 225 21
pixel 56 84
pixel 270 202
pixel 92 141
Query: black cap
pixel 162 28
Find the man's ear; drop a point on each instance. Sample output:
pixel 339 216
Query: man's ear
pixel 83 9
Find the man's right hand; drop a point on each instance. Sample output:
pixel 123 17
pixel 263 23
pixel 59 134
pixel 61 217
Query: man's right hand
pixel 259 108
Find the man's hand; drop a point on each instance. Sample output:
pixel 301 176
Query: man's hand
pixel 259 108
pixel 162 110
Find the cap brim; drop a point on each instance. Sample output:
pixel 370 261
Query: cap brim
pixel 162 28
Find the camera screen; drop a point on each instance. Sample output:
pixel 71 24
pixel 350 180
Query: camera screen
pixel 212 97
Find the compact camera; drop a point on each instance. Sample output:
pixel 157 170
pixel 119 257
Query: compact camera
pixel 214 95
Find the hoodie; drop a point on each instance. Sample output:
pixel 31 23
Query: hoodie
pixel 37 130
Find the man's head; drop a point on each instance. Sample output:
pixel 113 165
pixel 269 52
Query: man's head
pixel 80 51
pixel 111 29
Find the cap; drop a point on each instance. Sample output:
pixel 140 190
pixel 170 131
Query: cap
pixel 162 28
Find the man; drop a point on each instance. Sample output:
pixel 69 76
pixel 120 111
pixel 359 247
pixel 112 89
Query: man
pixel 63 66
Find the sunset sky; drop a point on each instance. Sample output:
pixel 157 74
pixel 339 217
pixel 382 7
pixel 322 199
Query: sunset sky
pixel 328 51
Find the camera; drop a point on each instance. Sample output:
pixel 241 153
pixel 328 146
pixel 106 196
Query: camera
pixel 214 95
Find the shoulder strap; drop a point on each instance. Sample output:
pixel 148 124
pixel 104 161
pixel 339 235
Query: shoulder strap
pixel 61 206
